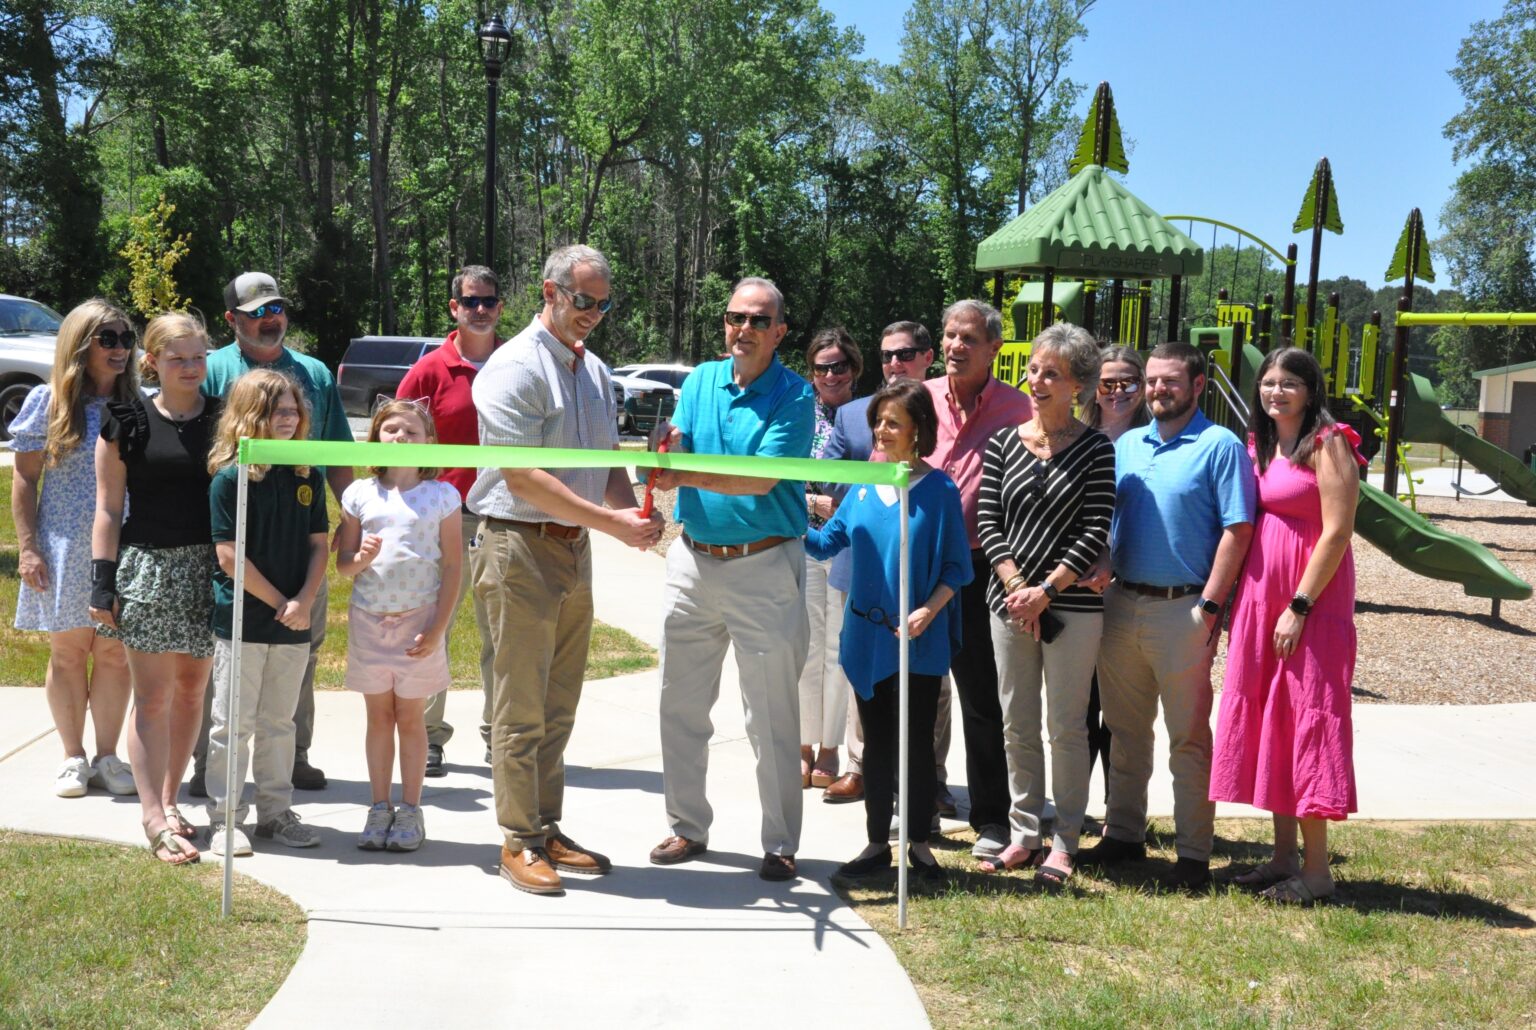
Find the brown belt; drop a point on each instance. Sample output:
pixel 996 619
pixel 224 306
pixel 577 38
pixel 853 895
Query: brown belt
pixel 1166 593
pixel 554 529
pixel 736 550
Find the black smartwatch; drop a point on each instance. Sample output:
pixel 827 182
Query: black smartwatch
pixel 1301 604
pixel 1051 593
pixel 1209 607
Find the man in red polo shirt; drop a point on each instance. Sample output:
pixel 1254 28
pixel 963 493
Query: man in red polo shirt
pixel 442 380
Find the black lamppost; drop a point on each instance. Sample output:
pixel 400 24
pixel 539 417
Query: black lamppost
pixel 495 42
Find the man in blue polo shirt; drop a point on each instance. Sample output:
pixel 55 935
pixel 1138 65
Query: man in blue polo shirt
pixel 1184 512
pixel 737 576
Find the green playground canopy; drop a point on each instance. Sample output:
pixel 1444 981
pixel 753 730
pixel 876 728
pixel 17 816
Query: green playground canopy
pixel 1091 227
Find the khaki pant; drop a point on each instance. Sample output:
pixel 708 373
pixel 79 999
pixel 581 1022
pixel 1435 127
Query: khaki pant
pixel 269 690
pixel 825 692
pixel 1065 668
pixel 439 732
pixel 1155 650
pixel 755 604
pixel 537 593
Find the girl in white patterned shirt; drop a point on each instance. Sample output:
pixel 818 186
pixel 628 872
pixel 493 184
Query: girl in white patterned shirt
pixel 399 540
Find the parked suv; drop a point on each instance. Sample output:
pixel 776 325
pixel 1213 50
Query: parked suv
pixel 29 334
pixel 650 394
pixel 371 370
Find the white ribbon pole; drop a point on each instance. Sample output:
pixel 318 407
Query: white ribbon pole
pixel 902 729
pixel 232 751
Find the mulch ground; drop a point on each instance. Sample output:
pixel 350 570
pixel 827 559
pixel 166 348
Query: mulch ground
pixel 1423 641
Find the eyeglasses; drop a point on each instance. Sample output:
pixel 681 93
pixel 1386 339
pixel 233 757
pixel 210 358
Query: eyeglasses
pixel 737 319
pixel 880 617
pixel 264 311
pixel 1282 385
pixel 831 368
pixel 476 303
pixel 1109 386
pixel 901 354
pixel 585 301
pixel 108 339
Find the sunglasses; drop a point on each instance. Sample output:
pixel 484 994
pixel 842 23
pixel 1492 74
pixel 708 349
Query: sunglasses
pixel 108 339
pixel 1109 386
pixel 585 301
pixel 901 354
pixel 476 303
pixel 880 617
pixel 737 319
pixel 831 368
pixel 264 311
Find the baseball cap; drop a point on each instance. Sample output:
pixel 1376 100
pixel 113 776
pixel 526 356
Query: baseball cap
pixel 250 290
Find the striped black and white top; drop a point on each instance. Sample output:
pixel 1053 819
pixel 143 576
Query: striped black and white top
pixel 1046 512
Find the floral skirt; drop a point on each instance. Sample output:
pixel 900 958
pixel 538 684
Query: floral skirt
pixel 167 599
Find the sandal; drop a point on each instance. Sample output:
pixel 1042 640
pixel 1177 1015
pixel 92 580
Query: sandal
pixel 1262 876
pixel 1052 877
pixel 172 849
pixel 1013 857
pixel 180 825
pixel 1294 891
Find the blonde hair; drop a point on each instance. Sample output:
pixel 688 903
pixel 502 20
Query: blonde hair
pixel 66 406
pixel 248 411
pixel 402 407
pixel 164 329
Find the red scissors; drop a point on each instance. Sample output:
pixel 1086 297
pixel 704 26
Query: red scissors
pixel 650 482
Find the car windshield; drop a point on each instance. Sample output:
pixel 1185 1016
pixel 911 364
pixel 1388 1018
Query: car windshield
pixel 27 316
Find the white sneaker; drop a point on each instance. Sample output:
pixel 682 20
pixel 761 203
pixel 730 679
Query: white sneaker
pixel 74 777
pixel 240 846
pixel 375 833
pixel 407 832
pixel 112 775
pixel 286 829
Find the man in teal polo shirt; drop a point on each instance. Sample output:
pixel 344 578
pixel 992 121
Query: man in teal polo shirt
pixel 736 576
pixel 1184 513
pixel 258 314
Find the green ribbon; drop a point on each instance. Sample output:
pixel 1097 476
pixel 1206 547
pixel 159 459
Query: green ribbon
pixel 337 453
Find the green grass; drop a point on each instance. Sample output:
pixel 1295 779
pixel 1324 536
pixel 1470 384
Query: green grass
pixel 100 935
pixel 1433 925
pixel 24 658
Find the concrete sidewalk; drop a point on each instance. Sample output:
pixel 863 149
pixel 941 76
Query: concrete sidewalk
pixel 438 936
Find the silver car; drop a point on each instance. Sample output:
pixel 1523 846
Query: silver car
pixel 28 335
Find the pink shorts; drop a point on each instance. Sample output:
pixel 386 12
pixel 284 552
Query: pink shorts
pixel 376 658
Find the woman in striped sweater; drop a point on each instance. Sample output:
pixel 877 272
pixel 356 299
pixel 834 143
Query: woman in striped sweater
pixel 1047 494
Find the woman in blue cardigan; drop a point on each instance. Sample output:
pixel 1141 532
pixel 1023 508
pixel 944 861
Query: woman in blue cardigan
pixel 905 428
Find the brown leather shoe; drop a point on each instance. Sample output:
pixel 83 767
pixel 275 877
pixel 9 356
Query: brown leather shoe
pixel 847 787
pixel 778 867
pixel 566 854
pixel 529 870
pixel 677 849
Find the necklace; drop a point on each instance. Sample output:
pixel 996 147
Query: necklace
pixel 178 419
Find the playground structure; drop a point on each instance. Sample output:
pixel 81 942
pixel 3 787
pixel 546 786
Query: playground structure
pixel 1092 236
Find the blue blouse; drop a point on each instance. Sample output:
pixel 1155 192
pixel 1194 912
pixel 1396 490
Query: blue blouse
pixel 940 553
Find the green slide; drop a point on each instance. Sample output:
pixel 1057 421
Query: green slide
pixel 1425 424
pixel 1408 539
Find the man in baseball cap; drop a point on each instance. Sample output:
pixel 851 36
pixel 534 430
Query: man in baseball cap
pixel 250 290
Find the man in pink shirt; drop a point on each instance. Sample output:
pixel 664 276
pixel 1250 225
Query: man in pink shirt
pixel 442 380
pixel 972 405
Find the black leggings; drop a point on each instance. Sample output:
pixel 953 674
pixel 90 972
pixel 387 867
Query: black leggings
pixel 881 720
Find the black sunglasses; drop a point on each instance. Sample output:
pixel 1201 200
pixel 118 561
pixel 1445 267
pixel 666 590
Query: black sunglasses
pixel 475 303
pixel 880 617
pixel 108 339
pixel 585 301
pixel 901 354
pixel 831 368
pixel 264 311
pixel 738 319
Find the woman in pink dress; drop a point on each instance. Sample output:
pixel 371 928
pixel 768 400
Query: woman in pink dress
pixel 1284 742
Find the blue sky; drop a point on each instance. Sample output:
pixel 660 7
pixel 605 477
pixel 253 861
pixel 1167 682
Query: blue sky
pixel 1369 88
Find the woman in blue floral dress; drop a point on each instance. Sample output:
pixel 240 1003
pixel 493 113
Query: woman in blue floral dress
pixel 53 499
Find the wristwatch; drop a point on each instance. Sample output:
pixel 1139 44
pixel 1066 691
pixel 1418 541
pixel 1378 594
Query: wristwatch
pixel 1209 607
pixel 1301 604
pixel 1051 592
